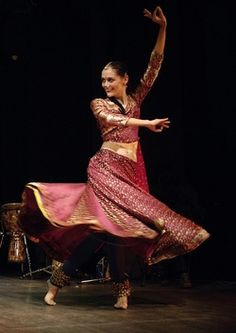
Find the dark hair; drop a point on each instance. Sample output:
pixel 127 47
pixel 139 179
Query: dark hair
pixel 118 66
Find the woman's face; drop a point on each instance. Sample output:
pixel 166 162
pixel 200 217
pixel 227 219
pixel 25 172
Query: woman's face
pixel 114 84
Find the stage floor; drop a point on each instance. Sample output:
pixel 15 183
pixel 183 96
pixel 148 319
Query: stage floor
pixel 207 307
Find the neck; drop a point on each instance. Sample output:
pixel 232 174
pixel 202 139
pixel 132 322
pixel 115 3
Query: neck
pixel 123 100
pixel 119 103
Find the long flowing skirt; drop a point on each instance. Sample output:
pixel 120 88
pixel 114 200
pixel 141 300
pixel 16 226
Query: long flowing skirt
pixel 113 200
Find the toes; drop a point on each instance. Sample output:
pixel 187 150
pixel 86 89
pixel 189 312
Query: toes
pixel 49 300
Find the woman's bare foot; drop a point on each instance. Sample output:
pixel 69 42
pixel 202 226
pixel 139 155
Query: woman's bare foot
pixel 122 303
pixel 49 298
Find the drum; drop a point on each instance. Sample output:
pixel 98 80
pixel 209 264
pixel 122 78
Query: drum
pixel 9 218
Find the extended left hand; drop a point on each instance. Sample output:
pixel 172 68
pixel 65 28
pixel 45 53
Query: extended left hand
pixel 157 125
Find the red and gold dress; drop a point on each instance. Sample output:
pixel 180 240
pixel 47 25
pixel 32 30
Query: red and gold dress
pixel 115 199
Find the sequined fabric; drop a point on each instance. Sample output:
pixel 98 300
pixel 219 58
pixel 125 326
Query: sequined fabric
pixel 120 289
pixel 110 120
pixel 115 199
pixel 59 278
pixel 137 212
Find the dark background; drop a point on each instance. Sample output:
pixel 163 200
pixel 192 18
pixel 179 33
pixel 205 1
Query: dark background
pixel 48 132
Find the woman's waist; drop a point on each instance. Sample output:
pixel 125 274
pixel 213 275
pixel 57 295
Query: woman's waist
pixel 127 149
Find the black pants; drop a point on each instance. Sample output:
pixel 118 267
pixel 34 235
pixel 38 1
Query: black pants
pixel 114 248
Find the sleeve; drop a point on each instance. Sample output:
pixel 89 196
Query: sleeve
pixel 149 77
pixel 106 115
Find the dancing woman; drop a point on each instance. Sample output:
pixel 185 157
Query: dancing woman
pixel 114 207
